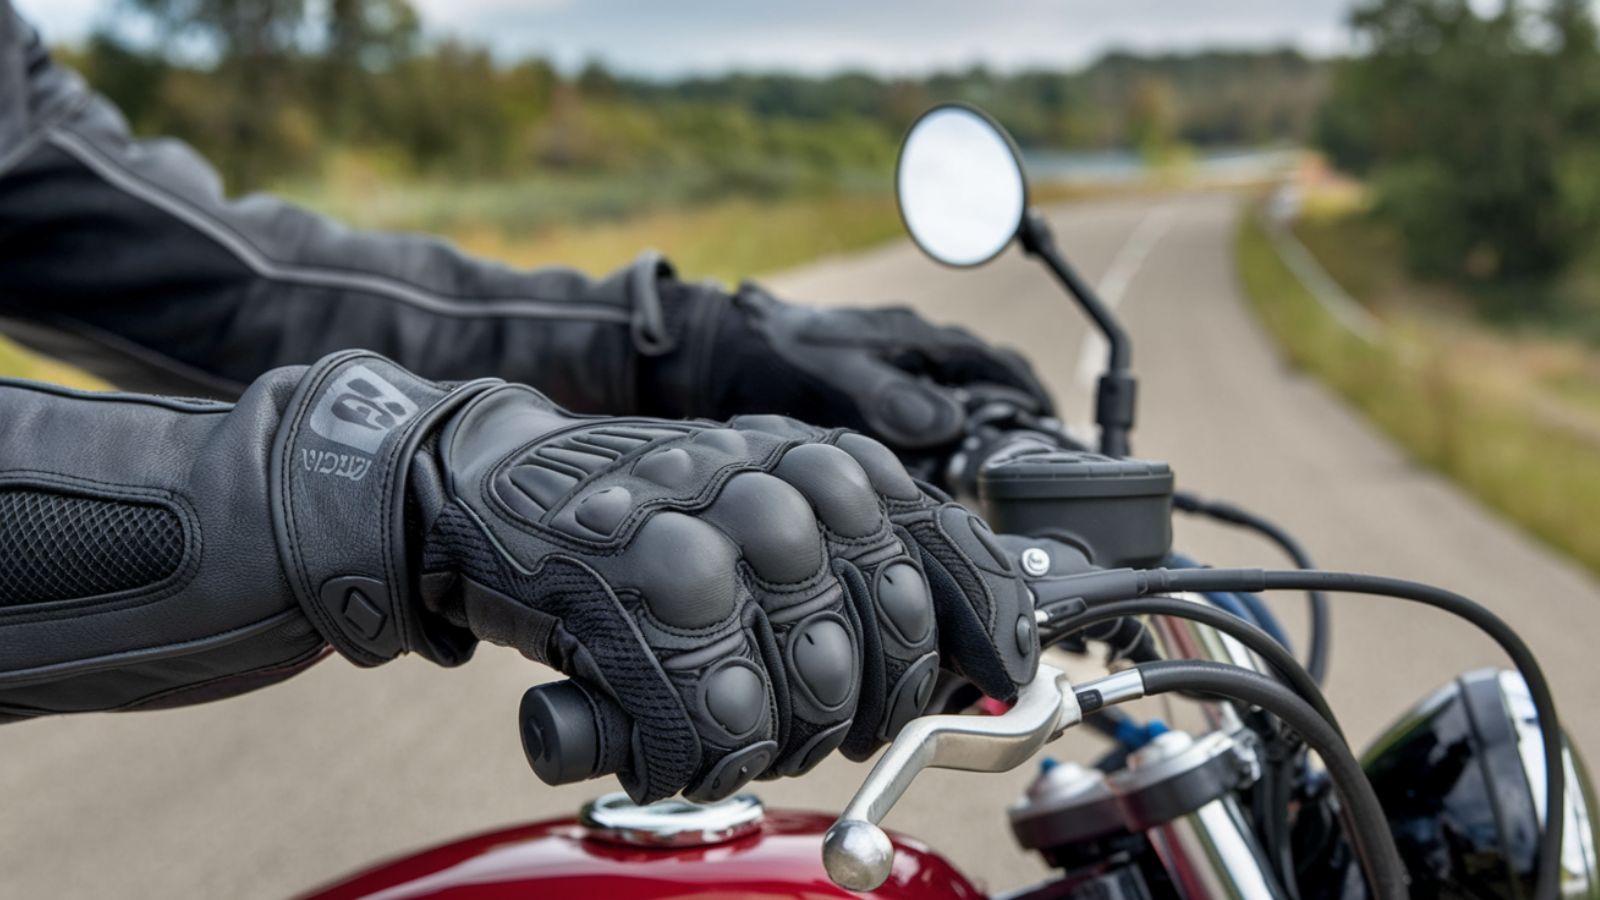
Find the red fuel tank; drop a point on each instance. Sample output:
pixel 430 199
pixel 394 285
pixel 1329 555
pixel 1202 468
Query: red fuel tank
pixel 782 857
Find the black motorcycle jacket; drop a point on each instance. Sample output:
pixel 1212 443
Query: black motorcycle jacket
pixel 123 257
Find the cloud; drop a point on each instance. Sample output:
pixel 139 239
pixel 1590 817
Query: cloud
pixel 61 20
pixel 702 35
pixel 467 12
pixel 665 38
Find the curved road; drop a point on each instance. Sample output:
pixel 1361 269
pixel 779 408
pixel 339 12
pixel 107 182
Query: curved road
pixel 281 790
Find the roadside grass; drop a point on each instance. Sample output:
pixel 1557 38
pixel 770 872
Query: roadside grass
pixel 1456 403
pixel 727 240
pixel 19 362
pixel 368 192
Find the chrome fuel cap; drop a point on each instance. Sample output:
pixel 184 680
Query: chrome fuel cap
pixel 616 819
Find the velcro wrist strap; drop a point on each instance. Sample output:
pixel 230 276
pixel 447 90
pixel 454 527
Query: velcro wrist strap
pixel 648 327
pixel 675 385
pixel 339 464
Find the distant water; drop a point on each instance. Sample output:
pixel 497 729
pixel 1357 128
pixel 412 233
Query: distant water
pixel 1113 166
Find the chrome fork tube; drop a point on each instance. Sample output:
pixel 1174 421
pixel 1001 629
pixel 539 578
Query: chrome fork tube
pixel 1211 854
pixel 1188 639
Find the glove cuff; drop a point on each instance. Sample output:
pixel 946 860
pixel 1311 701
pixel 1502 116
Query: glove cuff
pixel 674 383
pixel 338 489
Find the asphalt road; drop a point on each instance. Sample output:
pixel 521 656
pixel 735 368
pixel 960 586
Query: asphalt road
pixel 273 793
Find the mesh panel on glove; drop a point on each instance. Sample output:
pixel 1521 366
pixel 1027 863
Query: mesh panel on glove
pixel 60 547
pixel 571 594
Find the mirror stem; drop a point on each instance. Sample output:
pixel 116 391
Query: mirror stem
pixel 1116 394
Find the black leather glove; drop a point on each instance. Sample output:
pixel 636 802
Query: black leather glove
pixel 760 593
pixel 886 372
pixel 751 596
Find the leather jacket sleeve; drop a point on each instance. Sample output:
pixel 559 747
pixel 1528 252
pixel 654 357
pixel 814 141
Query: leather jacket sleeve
pixel 124 257
pixel 136 555
pixel 159 552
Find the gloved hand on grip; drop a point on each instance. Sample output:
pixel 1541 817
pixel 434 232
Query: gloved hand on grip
pixel 734 601
pixel 886 371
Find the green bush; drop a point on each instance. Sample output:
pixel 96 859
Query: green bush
pixel 1479 131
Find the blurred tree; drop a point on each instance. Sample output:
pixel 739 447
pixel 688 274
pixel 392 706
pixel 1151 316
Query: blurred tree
pixel 1480 131
pixel 134 78
pixel 276 90
pixel 361 39
pixel 253 43
pixel 1152 117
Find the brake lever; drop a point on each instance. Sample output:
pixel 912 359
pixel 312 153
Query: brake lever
pixel 857 854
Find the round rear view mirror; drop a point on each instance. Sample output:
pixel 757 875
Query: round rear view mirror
pixel 960 186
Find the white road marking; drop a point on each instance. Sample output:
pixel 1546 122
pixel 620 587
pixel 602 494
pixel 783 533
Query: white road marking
pixel 1114 284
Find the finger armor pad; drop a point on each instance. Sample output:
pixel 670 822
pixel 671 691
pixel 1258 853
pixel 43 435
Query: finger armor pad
pixel 773 524
pixel 836 485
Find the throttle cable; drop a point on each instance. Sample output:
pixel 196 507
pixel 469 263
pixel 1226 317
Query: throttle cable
pixel 1366 825
pixel 1251 636
pixel 1094 588
pixel 1316 601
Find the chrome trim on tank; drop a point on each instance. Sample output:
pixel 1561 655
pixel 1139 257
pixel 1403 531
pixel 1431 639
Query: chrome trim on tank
pixel 670 823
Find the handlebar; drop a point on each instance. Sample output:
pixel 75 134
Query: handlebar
pixel 564 727
pixel 572 732
pixel 997 427
pixel 563 724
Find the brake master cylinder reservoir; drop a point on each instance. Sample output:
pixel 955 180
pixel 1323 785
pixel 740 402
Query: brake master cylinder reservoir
pixel 1119 511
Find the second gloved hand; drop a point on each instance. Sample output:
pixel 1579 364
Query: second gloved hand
pixel 751 596
pixel 885 371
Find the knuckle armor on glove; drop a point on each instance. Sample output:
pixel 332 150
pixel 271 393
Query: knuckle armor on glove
pixel 752 596
pixel 738 592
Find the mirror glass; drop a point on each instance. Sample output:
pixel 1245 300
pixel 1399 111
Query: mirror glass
pixel 960 185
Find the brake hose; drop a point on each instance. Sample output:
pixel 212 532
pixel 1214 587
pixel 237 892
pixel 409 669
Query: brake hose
pixel 1317 602
pixel 1365 823
pixel 1102 586
pixel 1252 636
pixel 1246 606
pixel 1260 641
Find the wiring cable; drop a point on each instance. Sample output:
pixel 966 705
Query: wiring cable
pixel 1365 823
pixel 1316 601
pixel 1246 606
pixel 1254 638
pixel 1272 793
pixel 1094 588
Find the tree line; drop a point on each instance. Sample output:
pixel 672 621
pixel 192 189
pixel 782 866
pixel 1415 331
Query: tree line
pixel 1478 128
pixel 270 88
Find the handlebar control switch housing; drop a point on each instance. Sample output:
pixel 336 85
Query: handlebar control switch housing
pixel 1119 511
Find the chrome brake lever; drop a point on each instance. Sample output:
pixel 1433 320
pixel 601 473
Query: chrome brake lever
pixel 856 852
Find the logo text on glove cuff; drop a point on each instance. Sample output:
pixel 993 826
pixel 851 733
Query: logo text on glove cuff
pixel 359 409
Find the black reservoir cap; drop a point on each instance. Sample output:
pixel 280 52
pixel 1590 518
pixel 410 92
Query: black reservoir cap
pixel 1118 510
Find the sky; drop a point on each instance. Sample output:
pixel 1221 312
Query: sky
pixel 676 37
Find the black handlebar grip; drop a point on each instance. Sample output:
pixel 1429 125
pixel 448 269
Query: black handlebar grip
pixel 572 733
